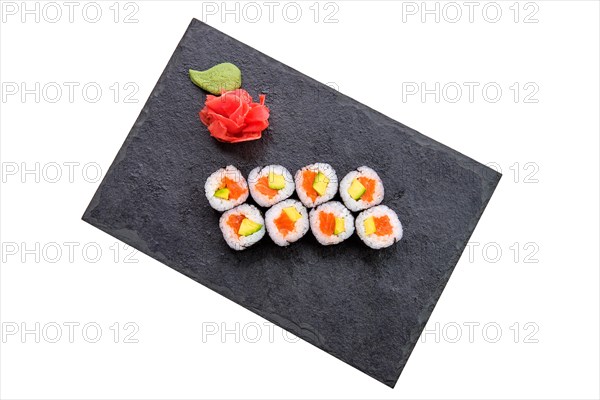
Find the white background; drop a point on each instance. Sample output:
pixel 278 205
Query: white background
pixel 543 288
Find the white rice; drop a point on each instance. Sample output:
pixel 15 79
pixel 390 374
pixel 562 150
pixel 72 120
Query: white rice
pixel 282 194
pixel 330 191
pixel 373 240
pixel 214 183
pixel 337 209
pixel 232 238
pixel 361 204
pixel 300 226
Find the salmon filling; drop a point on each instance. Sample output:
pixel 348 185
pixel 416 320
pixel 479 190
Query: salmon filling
pixel 383 226
pixel 284 223
pixel 235 221
pixel 235 190
pixel 327 223
pixel 369 185
pixel 263 187
pixel 308 178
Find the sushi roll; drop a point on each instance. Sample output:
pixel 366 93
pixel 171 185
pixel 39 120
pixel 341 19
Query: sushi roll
pixel 378 227
pixel 271 184
pixel 286 222
pixel 242 226
pixel 361 189
pixel 331 223
pixel 316 184
pixel 226 188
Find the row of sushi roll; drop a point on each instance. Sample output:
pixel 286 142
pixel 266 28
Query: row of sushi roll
pixel 288 220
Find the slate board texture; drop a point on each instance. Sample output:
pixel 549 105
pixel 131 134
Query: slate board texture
pixel 363 306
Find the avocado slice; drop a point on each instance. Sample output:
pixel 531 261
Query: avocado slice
pixel 369 226
pixel 222 194
pixel 248 227
pixel 356 189
pixel 292 213
pixel 320 183
pixel 276 181
pixel 340 227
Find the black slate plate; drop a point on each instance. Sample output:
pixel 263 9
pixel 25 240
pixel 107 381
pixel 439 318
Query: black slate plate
pixel 363 306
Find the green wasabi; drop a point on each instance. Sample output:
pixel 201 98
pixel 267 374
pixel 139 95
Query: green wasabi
pixel 225 76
